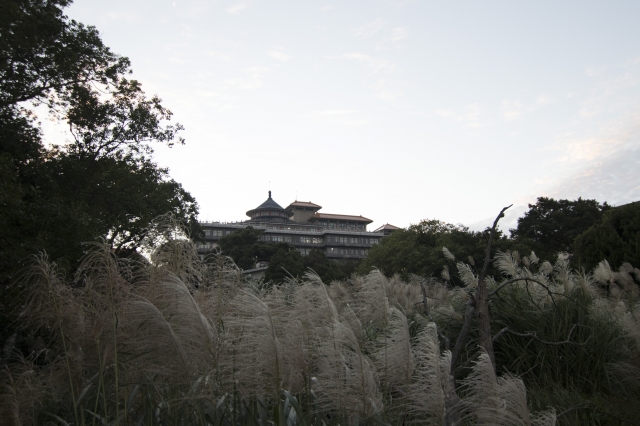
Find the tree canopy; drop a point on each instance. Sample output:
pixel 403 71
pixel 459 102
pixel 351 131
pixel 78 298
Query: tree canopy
pixel 551 226
pixel 102 183
pixel 616 238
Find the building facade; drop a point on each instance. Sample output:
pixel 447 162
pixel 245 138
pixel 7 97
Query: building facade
pixel 339 236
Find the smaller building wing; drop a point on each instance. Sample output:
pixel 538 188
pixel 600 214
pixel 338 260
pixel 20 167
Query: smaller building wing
pixel 387 227
pixel 304 204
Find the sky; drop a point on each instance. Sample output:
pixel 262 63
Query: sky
pixel 391 109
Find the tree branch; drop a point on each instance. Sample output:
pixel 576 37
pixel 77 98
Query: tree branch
pixel 535 337
pixel 482 297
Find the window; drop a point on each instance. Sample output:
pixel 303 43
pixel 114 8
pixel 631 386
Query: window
pixel 353 240
pixel 288 239
pixel 305 240
pixel 317 240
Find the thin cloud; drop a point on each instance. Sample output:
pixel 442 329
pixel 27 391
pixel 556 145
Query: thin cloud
pixel 251 81
pixel 472 116
pixel 337 111
pixel 399 33
pixel 376 64
pixel 614 178
pixel 238 7
pixel 369 29
pixel 278 55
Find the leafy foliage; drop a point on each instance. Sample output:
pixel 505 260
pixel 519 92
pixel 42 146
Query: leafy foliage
pixel 550 226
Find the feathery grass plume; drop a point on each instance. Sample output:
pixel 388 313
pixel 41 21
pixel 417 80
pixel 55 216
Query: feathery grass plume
pixel 345 383
pixel 371 303
pixel 23 392
pixel 254 360
pixel 51 308
pixel 447 254
pixel 489 400
pixel 507 263
pixel 340 294
pixel 166 330
pixel 603 272
pixel 49 303
pixel 630 323
pixel 169 245
pixel 431 382
pixel 584 281
pixel 563 276
pixel 545 269
pixel 404 295
pixel 445 273
pixel 393 358
pixel 222 280
pixel 466 275
pixel 624 281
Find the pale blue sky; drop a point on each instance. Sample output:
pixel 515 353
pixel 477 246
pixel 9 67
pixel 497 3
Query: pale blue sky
pixel 396 110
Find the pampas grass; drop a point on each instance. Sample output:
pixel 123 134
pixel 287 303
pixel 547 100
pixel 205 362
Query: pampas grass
pixel 173 339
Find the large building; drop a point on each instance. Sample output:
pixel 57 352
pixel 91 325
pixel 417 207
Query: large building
pixel 301 224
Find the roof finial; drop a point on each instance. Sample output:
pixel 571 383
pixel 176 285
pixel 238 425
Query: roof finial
pixel 269 193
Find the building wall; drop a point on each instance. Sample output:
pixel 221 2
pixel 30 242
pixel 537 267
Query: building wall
pixel 335 243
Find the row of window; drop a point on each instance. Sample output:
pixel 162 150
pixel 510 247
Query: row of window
pixel 207 245
pixel 351 240
pixel 335 251
pixel 342 225
pixel 216 232
pixel 270 213
pixel 291 239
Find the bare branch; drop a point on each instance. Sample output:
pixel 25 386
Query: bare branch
pixel 482 297
pixel 546 287
pixel 535 337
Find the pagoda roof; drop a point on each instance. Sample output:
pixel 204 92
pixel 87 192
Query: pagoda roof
pixel 344 217
pixel 269 204
pixel 387 227
pixel 304 204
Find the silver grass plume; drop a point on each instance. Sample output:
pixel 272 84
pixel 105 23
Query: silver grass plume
pixel 49 302
pixel 345 382
pixel 371 303
pixel 497 401
pixel 170 247
pixel 166 330
pixel 308 323
pixel 447 254
pixel 431 383
pixel 466 275
pixel 507 263
pixel 254 359
pixel 393 358
pixel 563 275
pixel 445 273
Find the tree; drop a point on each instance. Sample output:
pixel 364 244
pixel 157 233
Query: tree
pixel 103 183
pixel 244 247
pixel 44 55
pixel 550 226
pixel 286 262
pixel 616 238
pixel 419 249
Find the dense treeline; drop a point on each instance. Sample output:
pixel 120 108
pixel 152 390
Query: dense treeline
pixel 99 184
pixel 586 230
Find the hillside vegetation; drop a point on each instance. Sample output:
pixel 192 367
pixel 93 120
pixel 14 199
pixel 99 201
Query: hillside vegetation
pixel 176 340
